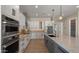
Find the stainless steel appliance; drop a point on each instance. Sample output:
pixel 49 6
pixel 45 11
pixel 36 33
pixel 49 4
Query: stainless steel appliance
pixel 49 29
pixel 9 26
pixel 11 44
pixel 10 37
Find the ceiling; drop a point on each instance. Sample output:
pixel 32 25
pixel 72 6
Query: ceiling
pixel 46 10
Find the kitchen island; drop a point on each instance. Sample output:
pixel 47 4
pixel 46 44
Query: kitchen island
pixel 62 44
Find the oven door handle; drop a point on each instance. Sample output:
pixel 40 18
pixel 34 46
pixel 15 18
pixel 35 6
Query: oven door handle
pixel 8 44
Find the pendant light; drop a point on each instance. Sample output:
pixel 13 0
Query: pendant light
pixel 52 17
pixel 60 17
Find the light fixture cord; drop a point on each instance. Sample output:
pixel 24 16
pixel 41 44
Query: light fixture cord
pixel 60 10
pixel 52 18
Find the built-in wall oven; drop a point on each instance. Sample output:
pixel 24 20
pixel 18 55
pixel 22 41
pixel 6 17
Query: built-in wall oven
pixel 10 36
pixel 10 46
pixel 9 26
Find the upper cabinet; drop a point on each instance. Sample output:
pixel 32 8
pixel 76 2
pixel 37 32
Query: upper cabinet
pixel 11 11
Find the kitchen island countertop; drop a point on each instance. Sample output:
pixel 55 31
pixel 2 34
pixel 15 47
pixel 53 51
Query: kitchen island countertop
pixel 70 44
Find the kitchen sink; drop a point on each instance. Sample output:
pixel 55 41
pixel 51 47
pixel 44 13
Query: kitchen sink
pixel 52 35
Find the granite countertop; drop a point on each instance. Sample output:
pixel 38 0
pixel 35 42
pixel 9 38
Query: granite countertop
pixel 24 36
pixel 71 44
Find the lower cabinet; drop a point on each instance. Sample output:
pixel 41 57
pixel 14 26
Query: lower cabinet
pixel 23 43
pixel 59 49
pixel 52 46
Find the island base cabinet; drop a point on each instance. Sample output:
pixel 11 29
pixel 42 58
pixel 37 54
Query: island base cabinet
pixel 52 46
pixel 59 49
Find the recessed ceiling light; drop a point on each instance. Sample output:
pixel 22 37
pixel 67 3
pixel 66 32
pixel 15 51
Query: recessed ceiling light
pixel 77 6
pixel 36 6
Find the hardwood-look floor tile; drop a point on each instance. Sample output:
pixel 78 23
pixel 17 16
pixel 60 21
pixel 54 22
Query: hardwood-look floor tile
pixel 36 46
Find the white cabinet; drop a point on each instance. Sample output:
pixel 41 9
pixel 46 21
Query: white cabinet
pixel 37 35
pixel 23 43
pixel 8 10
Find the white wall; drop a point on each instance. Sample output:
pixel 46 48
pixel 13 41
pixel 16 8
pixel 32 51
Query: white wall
pixel 67 25
pixel 7 10
pixel 58 27
pixel 0 28
pixel 21 20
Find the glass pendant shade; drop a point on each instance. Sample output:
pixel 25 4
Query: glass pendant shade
pixel 60 17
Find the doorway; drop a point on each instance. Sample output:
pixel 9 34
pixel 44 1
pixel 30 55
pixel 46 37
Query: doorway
pixel 73 28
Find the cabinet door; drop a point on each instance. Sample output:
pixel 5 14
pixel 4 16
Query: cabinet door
pixel 21 45
pixel 59 49
pixel 51 46
pixel 46 40
pixel 62 50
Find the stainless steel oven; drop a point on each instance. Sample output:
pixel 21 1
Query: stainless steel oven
pixel 10 37
pixel 9 26
pixel 10 44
